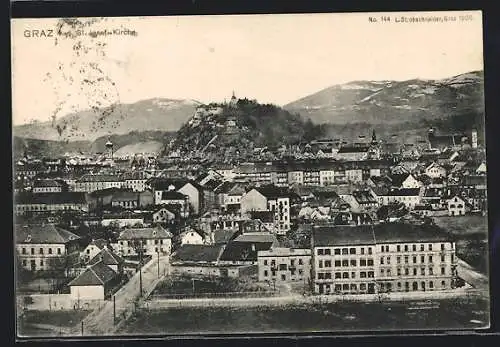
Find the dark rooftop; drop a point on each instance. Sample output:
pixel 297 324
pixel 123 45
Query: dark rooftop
pixel 95 275
pixel 376 234
pixel 43 234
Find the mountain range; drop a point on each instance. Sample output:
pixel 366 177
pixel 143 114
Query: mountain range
pixel 452 104
pixel 406 108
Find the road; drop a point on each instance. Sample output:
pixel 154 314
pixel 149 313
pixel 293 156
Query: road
pixel 471 276
pixel 101 323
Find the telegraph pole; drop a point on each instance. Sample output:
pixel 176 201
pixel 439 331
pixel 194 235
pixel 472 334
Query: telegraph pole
pixel 114 309
pixel 158 253
pixel 82 328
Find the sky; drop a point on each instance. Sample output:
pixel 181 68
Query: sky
pixel 272 58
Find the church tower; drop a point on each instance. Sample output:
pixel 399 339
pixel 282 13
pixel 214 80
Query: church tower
pixel 233 101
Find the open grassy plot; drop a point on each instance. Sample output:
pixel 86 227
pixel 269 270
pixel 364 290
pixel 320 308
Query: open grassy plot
pixel 472 244
pixel 197 285
pixel 447 314
pixel 46 322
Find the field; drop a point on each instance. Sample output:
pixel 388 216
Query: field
pixel 472 232
pixel 203 285
pixel 338 317
pixel 46 323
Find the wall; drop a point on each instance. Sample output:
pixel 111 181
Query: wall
pixel 87 292
pixel 253 201
pixel 43 302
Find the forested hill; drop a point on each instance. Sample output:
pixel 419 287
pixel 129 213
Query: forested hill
pixel 241 126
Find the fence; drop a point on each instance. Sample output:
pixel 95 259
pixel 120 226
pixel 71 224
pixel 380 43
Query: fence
pixel 52 302
pixel 256 294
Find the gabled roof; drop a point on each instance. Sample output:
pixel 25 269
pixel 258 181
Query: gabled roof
pixel 98 274
pixel 144 233
pixel 263 216
pixel 108 257
pixel 364 197
pixel 43 234
pixel 273 192
pixel 404 192
pixel 398 179
pixel 28 198
pixel 172 195
pixel 47 183
pixel 223 236
pixel 164 183
pixel 244 251
pixel 257 237
pixel 99 178
pixel 353 149
pixel 340 235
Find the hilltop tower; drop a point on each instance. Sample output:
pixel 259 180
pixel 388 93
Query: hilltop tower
pixel 109 149
pixel 233 101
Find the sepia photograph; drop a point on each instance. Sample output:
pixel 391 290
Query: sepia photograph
pixel 249 174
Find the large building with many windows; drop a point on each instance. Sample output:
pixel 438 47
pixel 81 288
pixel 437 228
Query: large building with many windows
pixel 382 258
pixel 284 264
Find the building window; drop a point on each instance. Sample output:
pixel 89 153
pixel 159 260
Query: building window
pixel 442 258
pixel 353 262
pixel 362 286
pixel 398 260
pixel 382 272
pixel 422 259
pixel 321 276
pixel 50 250
pixel 300 262
pixel 382 261
pixel 328 263
pixel 265 262
pixel 265 273
pixel 370 274
pixel 338 275
pixel 407 271
pixel 362 250
pixel 422 247
pixel 58 251
pixel 24 262
pixel 381 248
pixel 430 259
pixel 336 251
pixel 442 248
pixel 345 262
pixel 352 250
pixel 414 248
pixel 387 248
pixel 422 271
pixel 370 262
pixel 345 274
pixel 320 264
pixel 24 251
pixel 398 248
pixel 41 262
pixel 41 250
pixel 362 274
pixel 345 251
pixel 388 260
pixel 431 284
pixel 443 271
pixel 328 275
pixel 431 271
pixel 415 272
pixel 369 250
pixel 443 284
pixel 399 285
pixel 337 263
pixel 388 272
pixel 406 248
pixel 362 262
pixel 327 251
pixel 406 259
pixel 353 274
pixel 32 251
pixel 430 247
pixel 399 271
pixel 320 251
pixel 414 259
